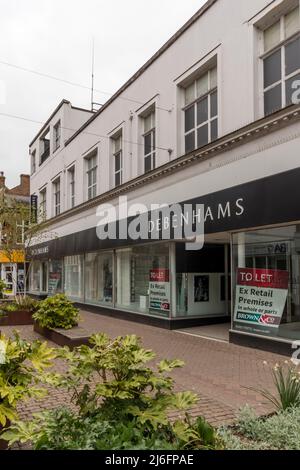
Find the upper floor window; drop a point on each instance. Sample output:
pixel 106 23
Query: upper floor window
pixel 149 141
pixel 20 233
pixel 45 147
pixel 91 174
pixel 281 61
pixel 71 180
pixel 57 136
pixel 201 111
pixel 57 196
pixel 43 204
pixel 33 162
pixel 118 159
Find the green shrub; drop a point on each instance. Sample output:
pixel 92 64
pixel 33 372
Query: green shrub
pixel 287 384
pixel 2 288
pixel 21 364
pixel 278 432
pixel 120 403
pixel 57 312
pixel 8 307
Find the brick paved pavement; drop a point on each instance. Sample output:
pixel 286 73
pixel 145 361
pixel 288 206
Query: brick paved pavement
pixel 218 372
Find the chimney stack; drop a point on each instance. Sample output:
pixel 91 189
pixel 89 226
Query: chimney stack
pixel 2 180
pixel 25 184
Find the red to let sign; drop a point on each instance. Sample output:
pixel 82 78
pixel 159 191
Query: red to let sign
pixel 267 278
pixel 159 275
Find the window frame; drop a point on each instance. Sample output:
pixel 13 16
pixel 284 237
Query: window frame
pixel 194 104
pixel 43 204
pixel 118 153
pixel 281 46
pixel 71 187
pixel 91 172
pixel 33 162
pixel 152 133
pixel 56 184
pixel 56 136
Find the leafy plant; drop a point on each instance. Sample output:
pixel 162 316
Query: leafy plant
pixel 21 366
pixel 278 432
pixel 121 403
pixel 57 312
pixel 2 288
pixel 9 307
pixel 26 303
pixel 287 383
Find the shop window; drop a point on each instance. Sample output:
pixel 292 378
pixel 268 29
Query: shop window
pixel 143 283
pixel 266 281
pixel 99 278
pixel 55 277
pixel 73 277
pixel 35 277
pixel 201 281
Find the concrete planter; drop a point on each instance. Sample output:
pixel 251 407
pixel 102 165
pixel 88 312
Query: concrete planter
pixel 72 338
pixel 19 317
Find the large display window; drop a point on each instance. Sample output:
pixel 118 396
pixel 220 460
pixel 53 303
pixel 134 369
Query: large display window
pixel 99 278
pixel 55 277
pixel 74 277
pixel 35 277
pixel 266 282
pixel 201 282
pixel 143 281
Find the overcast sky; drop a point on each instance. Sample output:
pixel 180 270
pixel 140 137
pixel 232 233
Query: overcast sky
pixel 54 37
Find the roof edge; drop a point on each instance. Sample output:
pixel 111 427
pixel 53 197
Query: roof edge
pixel 140 71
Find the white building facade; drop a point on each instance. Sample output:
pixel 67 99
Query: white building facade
pixel 211 119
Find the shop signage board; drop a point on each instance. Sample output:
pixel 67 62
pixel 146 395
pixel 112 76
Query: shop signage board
pixel 159 290
pixel 261 296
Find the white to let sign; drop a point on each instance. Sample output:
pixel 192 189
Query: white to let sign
pixel 159 289
pixel 261 296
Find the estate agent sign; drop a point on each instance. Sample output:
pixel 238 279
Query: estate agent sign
pixel 261 296
pixel 159 289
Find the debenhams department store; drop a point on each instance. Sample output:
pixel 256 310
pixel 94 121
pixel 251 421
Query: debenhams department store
pixel 247 276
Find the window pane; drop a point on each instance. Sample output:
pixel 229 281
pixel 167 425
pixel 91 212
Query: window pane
pixel 214 104
pixel 273 100
pixel 213 78
pixel 292 57
pixel 118 144
pixel 118 162
pixel 203 136
pixel 190 142
pixel 272 36
pixel 147 144
pixel 214 129
pixel 202 111
pixel 272 69
pixel 290 90
pixel 292 23
pixel 153 161
pixel 190 94
pixel 148 123
pixel 189 118
pixel 118 179
pixel 202 85
pixel 148 164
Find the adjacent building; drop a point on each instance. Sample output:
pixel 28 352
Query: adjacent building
pixel 12 262
pixel 211 119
